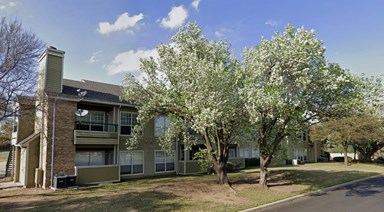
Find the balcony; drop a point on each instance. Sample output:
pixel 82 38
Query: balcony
pixel 95 133
pixel 93 126
pixel 97 174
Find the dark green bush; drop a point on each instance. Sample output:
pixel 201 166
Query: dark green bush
pixel 232 167
pixel 379 160
pixel 252 162
pixel 341 159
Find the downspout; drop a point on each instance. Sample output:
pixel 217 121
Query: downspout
pixel 53 139
pixel 185 159
pixel 177 157
pixel 117 151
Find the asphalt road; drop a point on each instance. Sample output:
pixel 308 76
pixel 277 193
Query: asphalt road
pixel 365 196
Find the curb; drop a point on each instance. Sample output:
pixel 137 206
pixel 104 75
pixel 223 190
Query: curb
pixel 308 194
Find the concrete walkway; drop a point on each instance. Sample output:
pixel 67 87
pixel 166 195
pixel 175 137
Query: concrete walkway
pixel 2 169
pixel 10 185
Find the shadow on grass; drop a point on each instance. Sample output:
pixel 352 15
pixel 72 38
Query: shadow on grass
pixel 129 201
pixel 315 179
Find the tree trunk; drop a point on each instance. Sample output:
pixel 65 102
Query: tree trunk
pixel 264 163
pixel 221 173
pixel 365 155
pixel 346 155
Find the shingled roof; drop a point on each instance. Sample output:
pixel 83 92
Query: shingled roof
pixel 95 90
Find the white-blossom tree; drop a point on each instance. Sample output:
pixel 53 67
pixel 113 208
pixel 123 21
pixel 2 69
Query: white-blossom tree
pixel 286 83
pixel 193 82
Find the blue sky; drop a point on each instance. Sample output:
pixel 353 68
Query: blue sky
pixel 103 39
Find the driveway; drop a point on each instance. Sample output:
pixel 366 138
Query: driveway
pixel 366 196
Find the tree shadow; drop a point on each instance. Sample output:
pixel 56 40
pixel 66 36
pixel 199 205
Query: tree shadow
pixel 314 179
pixel 365 188
pixel 129 201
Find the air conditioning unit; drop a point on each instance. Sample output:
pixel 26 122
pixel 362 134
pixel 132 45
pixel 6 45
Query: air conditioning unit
pixel 71 180
pixel 60 182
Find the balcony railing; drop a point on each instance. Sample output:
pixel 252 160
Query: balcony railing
pixel 94 126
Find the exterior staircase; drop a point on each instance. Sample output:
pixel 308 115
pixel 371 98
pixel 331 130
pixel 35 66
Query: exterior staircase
pixel 9 169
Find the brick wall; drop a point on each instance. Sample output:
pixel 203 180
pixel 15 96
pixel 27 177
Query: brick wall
pixel 62 137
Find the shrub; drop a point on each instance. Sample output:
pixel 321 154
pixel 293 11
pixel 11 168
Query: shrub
pixel 379 160
pixel 252 162
pixel 341 159
pixel 205 163
pixel 232 167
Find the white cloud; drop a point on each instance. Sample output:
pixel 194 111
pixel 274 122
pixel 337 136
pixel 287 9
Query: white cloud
pixel 94 57
pixel 176 17
pixel 272 22
pixel 130 62
pixel 13 4
pixel 195 4
pixel 123 22
pixel 221 32
pixel 9 5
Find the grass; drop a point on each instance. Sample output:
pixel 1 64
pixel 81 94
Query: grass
pixel 191 193
pixel 4 156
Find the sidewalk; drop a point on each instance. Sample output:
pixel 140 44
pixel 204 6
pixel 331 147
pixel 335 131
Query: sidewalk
pixel 10 185
pixel 2 169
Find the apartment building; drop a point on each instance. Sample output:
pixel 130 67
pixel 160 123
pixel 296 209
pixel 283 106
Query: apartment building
pixel 80 129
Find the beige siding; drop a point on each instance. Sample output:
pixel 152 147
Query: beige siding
pixel 97 174
pixel 54 75
pixel 97 138
pixel 148 145
pixel 32 161
pixel 26 122
pixel 192 167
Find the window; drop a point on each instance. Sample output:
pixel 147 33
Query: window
pixel 97 121
pixel 127 122
pixel 93 121
pixel 164 162
pixel 94 157
pixel 231 152
pixel 161 125
pixel 131 162
pixel 300 154
pixel 245 152
pixel 248 152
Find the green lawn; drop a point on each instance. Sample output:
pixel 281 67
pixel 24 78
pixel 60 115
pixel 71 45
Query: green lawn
pixel 191 193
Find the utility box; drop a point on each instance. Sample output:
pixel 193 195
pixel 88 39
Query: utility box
pixel 71 180
pixel 295 162
pixel 60 182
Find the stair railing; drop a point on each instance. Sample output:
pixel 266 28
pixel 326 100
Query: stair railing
pixel 9 161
